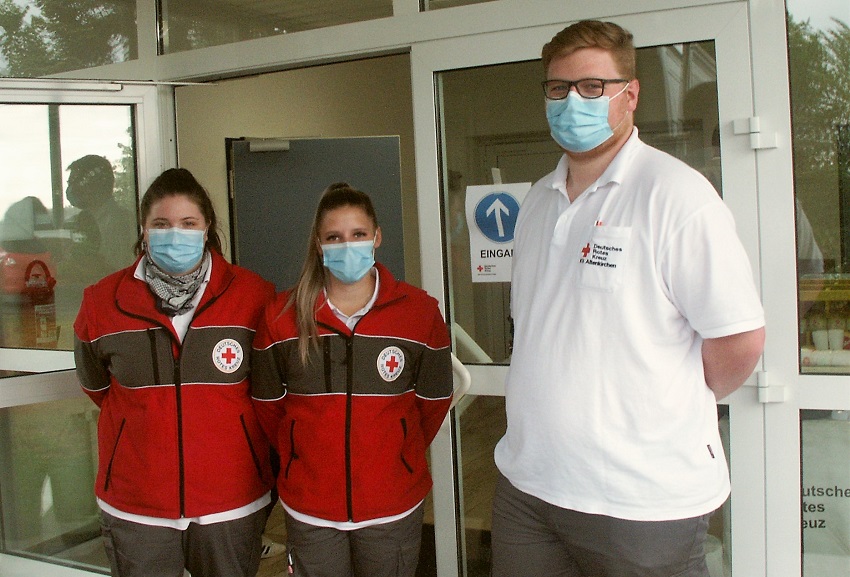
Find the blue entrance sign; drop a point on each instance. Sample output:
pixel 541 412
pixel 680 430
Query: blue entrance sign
pixel 495 216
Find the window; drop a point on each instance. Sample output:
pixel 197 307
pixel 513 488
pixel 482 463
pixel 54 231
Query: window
pixel 67 213
pixel 43 37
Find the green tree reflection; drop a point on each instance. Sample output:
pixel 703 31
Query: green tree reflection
pixel 819 69
pixel 44 37
pixel 820 89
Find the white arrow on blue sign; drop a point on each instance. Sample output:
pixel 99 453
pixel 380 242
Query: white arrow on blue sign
pixel 495 216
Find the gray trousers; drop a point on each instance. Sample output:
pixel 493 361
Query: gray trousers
pixel 532 537
pixel 226 549
pixel 386 550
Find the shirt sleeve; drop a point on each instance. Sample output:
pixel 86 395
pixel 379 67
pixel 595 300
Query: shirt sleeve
pixel 709 277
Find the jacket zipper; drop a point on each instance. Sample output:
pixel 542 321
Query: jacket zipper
pixel 112 457
pixel 349 395
pixel 257 464
pixel 180 466
pixel 293 455
pixel 404 437
pixel 349 391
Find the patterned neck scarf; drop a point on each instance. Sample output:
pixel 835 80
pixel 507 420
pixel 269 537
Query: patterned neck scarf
pixel 174 293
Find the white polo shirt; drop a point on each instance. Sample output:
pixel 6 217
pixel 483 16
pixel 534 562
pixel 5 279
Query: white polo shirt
pixel 608 410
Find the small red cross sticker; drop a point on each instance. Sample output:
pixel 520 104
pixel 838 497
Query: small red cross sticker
pixel 392 364
pixel 228 355
pixel 585 250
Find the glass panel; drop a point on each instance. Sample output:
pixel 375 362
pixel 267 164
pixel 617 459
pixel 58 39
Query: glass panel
pixel 56 240
pixel 718 545
pixel 493 117
pixel 825 492
pixel 818 50
pixel 43 37
pixel 48 457
pixel 438 4
pixel 482 424
pixel 191 24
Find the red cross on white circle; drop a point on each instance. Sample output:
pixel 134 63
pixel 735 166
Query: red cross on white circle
pixel 392 363
pixel 228 355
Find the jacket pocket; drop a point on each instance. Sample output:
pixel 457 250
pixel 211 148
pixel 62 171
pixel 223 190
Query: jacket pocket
pixel 403 445
pixel 112 456
pixel 293 456
pixel 256 459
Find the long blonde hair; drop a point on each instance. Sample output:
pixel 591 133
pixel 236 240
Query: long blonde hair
pixel 312 279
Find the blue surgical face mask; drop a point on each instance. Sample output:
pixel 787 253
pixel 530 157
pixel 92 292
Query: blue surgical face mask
pixel 176 250
pixel 349 261
pixel 580 124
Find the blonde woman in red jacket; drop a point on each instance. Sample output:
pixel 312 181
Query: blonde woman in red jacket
pixel 163 348
pixel 351 380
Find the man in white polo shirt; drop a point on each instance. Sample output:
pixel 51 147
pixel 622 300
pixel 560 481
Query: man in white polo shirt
pixel 635 310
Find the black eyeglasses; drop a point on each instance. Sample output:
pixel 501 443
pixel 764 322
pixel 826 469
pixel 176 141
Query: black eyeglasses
pixel 586 87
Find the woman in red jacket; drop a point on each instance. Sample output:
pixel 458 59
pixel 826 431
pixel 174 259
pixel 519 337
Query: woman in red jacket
pixel 163 348
pixel 351 379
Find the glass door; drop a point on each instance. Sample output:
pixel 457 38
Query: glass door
pixel 807 435
pixel 481 97
pixel 71 157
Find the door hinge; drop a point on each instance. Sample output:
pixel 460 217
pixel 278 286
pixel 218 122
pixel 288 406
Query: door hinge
pixel 768 393
pixel 760 136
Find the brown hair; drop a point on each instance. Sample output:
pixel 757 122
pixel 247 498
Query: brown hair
pixel 179 182
pixel 312 278
pixel 593 34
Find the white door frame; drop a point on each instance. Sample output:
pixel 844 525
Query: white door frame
pixel 52 374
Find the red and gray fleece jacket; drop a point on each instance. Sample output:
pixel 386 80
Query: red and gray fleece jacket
pixel 353 424
pixel 177 432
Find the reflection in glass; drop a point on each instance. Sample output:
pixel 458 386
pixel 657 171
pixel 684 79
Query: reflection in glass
pixel 187 25
pixel 492 118
pixel 56 240
pixel 438 4
pixel 818 45
pixel 825 492
pixel 43 37
pixel 482 424
pixel 718 545
pixel 47 470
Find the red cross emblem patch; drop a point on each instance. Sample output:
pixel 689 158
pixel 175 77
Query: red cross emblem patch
pixel 227 355
pixel 390 363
